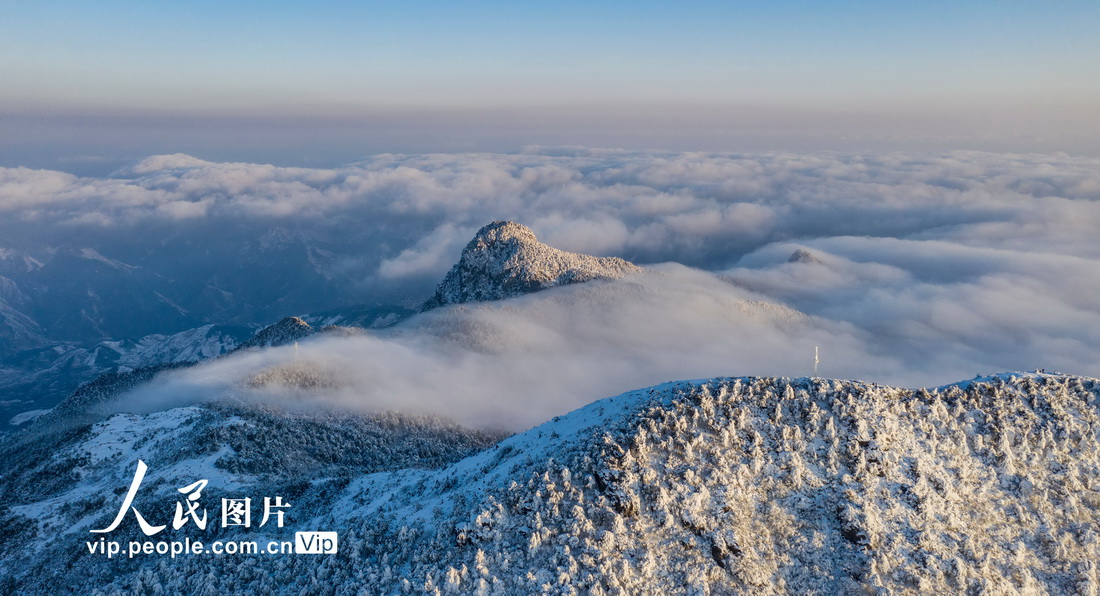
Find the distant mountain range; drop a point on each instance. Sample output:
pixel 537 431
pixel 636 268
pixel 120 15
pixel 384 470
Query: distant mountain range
pixel 69 312
pixel 72 293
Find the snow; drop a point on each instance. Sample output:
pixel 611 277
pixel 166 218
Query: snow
pixel 193 345
pixel 27 416
pixel 158 163
pixel 93 255
pixel 68 365
pixel 804 485
pixel 121 434
pixel 1005 377
pixel 32 263
pixel 498 466
pixel 725 485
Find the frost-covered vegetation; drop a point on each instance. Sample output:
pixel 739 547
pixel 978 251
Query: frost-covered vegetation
pixel 60 482
pixel 297 374
pixel 752 485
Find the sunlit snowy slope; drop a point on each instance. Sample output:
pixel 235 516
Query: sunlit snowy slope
pixel 724 485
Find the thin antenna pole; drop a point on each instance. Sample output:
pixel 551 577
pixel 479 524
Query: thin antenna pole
pixel 816 360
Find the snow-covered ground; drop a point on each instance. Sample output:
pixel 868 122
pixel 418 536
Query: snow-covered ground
pixel 724 485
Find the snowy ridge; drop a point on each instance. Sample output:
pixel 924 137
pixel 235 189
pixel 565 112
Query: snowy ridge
pixel 363 316
pixel 62 369
pixel 93 255
pixel 505 259
pixel 730 485
pixel 287 330
pixel 193 345
pixel 799 486
pixel 58 371
pixel 16 328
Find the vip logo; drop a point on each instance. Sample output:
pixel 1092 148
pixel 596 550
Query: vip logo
pixel 315 543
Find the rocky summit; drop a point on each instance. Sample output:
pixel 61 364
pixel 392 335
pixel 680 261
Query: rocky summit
pixel 505 259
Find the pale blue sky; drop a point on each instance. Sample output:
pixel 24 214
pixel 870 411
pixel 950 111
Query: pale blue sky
pixel 1029 65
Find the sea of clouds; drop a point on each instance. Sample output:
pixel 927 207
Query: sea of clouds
pixel 927 268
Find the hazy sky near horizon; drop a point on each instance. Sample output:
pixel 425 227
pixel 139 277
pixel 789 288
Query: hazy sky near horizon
pixel 104 82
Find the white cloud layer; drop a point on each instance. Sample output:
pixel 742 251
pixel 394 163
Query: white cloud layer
pixel 518 362
pixel 933 267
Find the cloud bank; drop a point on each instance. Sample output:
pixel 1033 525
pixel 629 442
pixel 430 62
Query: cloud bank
pixel 700 209
pixel 518 362
pixel 407 217
pixel 932 267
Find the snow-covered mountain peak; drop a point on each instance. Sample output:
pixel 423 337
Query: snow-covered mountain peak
pixel 502 232
pixel 505 259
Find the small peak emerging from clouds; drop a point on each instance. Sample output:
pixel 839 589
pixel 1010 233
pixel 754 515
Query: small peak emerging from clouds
pixel 804 256
pixel 289 329
pixel 157 163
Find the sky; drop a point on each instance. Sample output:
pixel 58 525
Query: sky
pixel 90 86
